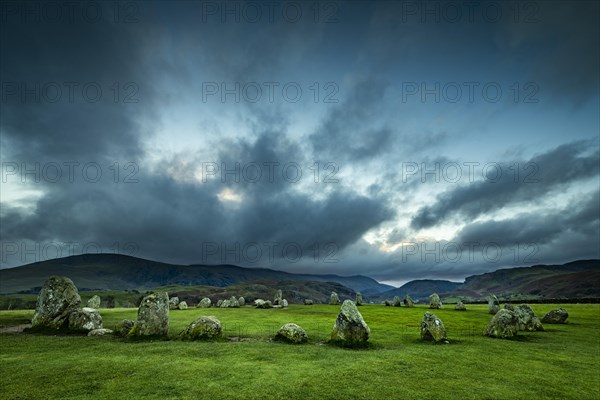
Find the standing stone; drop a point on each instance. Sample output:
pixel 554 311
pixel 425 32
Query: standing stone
pixel 556 316
pixel 359 299
pixel 397 302
pixel 278 297
pixel 408 302
pixel 350 329
pixel 94 302
pixel 504 324
pixel 432 329
pixel 57 299
pixel 203 328
pixel 182 305
pixel 85 320
pixel 387 303
pixel 284 303
pixel 225 303
pixel 460 306
pixel 124 327
pixel 291 333
pixel 493 304
pixel 334 299
pixel 308 302
pixel 153 316
pixel 260 303
pixel 242 302
pixel 509 307
pixel 233 302
pixel 173 303
pixel 204 303
pixel 528 321
pixel 434 301
pixel 219 303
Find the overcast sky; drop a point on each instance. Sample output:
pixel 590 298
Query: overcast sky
pixel 399 140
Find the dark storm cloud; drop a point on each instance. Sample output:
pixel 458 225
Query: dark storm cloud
pixel 539 176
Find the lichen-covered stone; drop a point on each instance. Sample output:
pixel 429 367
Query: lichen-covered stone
pixel 153 316
pixel 408 302
pixel 397 301
pixel 260 303
pixel 504 324
pixel 556 316
pixel 434 301
pixel 173 303
pixel 432 329
pixel 233 302
pixel 508 306
pixel 460 306
pixel 100 332
pixel 359 299
pixel 182 305
pixel 528 321
pixel 204 303
pixel 94 302
pixel 387 303
pixel 242 301
pixel 308 302
pixel 493 304
pixel 291 333
pixel 203 328
pixel 278 298
pixel 57 299
pixel 85 320
pixel 334 299
pixel 219 303
pixel 284 303
pixel 124 327
pixel 350 329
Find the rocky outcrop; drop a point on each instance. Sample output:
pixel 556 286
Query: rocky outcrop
pixel 350 329
pixel 291 333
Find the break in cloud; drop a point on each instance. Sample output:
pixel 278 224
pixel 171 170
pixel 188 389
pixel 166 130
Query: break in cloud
pixel 399 170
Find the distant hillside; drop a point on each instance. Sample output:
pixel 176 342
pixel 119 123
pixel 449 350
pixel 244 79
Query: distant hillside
pixel 420 289
pixel 577 279
pixel 120 272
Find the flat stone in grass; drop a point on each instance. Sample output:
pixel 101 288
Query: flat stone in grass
pixel 100 332
pixel 291 333
pixel 85 320
pixel 432 329
pixel 460 306
pixel 57 299
pixel 203 328
pixel 359 299
pixel 556 316
pixel 408 302
pixel 334 299
pixel 182 305
pixel 94 302
pixel 153 316
pixel 204 303
pixel 504 324
pixel 350 329
pixel 397 302
pixel 434 301
pixel 528 321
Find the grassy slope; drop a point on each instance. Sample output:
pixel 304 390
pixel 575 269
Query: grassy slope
pixel 559 363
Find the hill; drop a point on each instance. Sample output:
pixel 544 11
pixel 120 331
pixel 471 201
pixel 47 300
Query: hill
pixel 120 272
pixel 420 289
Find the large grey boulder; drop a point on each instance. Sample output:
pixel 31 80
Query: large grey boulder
pixel 434 301
pixel 350 329
pixel 57 299
pixel 334 299
pixel 408 302
pixel 242 301
pixel 85 320
pixel 204 303
pixel 556 316
pixel 182 305
pixel 203 328
pixel 432 329
pixel 359 299
pixel 493 304
pixel 397 302
pixel 153 316
pixel 94 302
pixel 528 321
pixel 173 303
pixel 460 306
pixel 504 324
pixel 291 333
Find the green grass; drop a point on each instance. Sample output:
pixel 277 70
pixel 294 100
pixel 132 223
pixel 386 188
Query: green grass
pixel 562 362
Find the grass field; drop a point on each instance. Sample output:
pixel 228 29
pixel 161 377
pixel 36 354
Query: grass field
pixel 561 363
